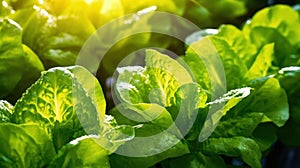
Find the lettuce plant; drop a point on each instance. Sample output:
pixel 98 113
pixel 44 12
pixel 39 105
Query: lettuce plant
pixel 20 65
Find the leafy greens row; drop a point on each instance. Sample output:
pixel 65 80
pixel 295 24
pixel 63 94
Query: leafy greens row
pixel 55 31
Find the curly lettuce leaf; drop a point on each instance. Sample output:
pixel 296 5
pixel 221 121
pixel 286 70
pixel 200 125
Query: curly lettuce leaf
pixel 234 67
pixel 238 42
pixel 239 126
pixel 166 74
pixel 204 58
pixel 248 125
pixel 132 86
pixel 156 83
pixel 25 146
pixel 62 102
pixel 183 112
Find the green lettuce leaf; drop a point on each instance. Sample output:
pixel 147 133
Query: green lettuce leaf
pixel 261 36
pixel 62 102
pixel 115 135
pixel 238 42
pixel 289 77
pixel 197 66
pixel 82 152
pixel 219 108
pixel 189 99
pixel 92 87
pixel 93 150
pixel 239 126
pixel 159 143
pixel 163 82
pixel 245 148
pixel 11 56
pixel 156 83
pixel 51 37
pixel 5 111
pixel 270 26
pixel 207 13
pixel 131 85
pixel 287 25
pixel 262 63
pixel 211 57
pixel 166 74
pixel 271 100
pixel 247 125
pixel 153 125
pixel 231 8
pixel 27 67
pixel 184 112
pixel 31 72
pixel 234 67
pixel 25 146
pixel 140 113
